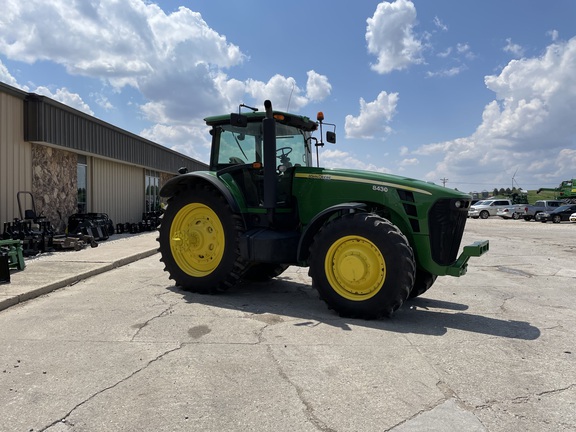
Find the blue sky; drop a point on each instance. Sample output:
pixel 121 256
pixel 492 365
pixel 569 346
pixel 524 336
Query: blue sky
pixel 482 94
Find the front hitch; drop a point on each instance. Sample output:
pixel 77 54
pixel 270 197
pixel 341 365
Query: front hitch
pixel 476 249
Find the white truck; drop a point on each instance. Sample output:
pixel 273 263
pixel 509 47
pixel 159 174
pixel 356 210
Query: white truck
pixel 489 207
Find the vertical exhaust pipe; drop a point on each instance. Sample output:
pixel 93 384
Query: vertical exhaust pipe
pixel 269 132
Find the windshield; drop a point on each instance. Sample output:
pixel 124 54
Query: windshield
pixel 239 145
pixel 479 203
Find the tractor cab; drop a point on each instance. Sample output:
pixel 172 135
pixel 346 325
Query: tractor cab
pixel 234 145
pixel 259 166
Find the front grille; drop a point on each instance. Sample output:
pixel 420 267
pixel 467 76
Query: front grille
pixel 446 224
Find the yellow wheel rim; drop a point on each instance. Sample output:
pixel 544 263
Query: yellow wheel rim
pixel 197 240
pixel 355 268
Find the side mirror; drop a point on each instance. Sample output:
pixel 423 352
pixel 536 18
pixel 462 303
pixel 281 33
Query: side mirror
pixel 331 137
pixel 238 120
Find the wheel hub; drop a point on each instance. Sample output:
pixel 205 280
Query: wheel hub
pixel 355 268
pixel 197 239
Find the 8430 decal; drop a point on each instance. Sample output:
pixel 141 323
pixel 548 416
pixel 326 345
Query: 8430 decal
pixel 380 188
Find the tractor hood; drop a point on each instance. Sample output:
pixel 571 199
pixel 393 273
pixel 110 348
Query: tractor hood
pixel 380 181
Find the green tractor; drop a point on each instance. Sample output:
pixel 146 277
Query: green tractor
pixel 370 240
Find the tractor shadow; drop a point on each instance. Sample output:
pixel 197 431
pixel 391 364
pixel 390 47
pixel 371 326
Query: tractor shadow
pixel 426 316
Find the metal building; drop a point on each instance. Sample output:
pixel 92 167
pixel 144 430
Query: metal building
pixel 71 162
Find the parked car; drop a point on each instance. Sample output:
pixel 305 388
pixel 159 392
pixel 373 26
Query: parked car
pixel 572 217
pixel 486 208
pixel 562 213
pixel 512 212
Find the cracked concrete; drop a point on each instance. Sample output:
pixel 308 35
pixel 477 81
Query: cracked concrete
pixel 128 351
pixel 65 418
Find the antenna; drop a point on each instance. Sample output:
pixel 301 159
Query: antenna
pixel 290 97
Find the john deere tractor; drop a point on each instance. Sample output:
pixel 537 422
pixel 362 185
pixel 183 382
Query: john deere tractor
pixel 370 240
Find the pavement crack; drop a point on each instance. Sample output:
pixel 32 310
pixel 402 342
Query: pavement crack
pixel 65 420
pixel 167 311
pixel 525 398
pixel 308 407
pixel 448 394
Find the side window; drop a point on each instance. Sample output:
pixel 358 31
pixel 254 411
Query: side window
pixel 236 148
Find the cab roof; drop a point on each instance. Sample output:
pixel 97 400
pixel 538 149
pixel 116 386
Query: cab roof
pixel 301 122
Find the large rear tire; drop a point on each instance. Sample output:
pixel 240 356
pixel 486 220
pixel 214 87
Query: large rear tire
pixel 362 266
pixel 199 241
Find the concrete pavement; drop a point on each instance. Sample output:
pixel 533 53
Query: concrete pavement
pixel 50 271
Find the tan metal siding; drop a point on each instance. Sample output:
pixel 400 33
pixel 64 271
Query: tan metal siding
pixel 53 123
pixel 15 157
pixel 116 189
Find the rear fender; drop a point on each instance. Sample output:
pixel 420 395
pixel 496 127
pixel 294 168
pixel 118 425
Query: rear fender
pixel 318 221
pixel 188 180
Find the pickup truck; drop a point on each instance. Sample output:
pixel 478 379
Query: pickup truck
pixel 489 207
pixel 541 206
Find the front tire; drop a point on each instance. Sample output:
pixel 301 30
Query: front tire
pixel 362 266
pixel 422 283
pixel 484 214
pixel 199 241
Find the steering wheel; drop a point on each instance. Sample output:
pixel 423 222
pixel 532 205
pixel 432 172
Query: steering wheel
pixel 285 152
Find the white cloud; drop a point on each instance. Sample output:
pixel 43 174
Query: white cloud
pixel 464 50
pixel 374 117
pixel 553 35
pixel 280 90
pixel 408 162
pixel 317 87
pixel 456 70
pixel 438 23
pixel 515 49
pixel 445 53
pixel 170 58
pixel 102 101
pixel 66 97
pixel 342 159
pixel 390 36
pixel 189 140
pixel 6 77
pixel 529 125
pixel 175 60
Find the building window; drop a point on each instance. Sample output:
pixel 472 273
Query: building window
pixel 82 179
pixel 151 192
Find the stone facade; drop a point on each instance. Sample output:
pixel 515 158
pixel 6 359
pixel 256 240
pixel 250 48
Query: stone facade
pixel 54 183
